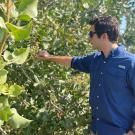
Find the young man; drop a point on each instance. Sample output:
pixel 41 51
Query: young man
pixel 112 72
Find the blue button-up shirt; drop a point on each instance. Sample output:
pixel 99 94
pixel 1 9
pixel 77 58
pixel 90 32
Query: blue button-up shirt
pixel 112 90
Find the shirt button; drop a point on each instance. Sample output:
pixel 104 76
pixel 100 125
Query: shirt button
pixel 104 61
pixel 101 73
pixel 99 84
pixel 97 107
pixel 97 118
pixel 97 96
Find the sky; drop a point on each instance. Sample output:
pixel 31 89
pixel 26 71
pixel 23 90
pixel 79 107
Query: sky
pixel 123 19
pixel 123 25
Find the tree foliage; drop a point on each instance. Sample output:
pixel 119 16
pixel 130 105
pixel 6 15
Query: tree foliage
pixel 55 98
pixel 11 30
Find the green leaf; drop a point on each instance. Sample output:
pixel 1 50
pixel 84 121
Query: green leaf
pixel 4 101
pixel 3 76
pixel 17 121
pixel 2 63
pixel 28 7
pixel 12 91
pixel 15 90
pixel 4 89
pixel 24 17
pixel 20 55
pixel 5 113
pixel 8 56
pixel 20 33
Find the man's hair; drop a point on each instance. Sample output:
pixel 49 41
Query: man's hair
pixel 106 24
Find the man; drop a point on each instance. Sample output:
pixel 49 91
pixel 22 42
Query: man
pixel 112 72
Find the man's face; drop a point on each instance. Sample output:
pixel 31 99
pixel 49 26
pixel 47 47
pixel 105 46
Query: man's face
pixel 95 41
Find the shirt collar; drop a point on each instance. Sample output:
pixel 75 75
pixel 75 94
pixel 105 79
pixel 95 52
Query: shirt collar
pixel 116 51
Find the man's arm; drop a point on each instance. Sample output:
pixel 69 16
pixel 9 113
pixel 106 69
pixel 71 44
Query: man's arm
pixel 62 60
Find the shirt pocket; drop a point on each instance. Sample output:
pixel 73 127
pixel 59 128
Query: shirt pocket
pixel 116 72
pixel 115 77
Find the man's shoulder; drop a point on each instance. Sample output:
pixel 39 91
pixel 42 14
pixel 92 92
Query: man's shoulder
pixel 129 58
pixel 125 52
pixel 129 55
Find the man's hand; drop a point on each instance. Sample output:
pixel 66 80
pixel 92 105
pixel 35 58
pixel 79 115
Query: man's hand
pixel 43 55
pixel 62 60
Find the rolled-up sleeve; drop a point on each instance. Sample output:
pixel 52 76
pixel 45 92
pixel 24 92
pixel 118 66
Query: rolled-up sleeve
pixel 83 63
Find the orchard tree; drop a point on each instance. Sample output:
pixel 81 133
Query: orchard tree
pixel 55 98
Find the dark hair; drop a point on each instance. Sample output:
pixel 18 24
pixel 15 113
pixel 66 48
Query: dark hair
pixel 106 24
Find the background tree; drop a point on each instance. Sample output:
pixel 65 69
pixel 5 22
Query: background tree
pixel 56 98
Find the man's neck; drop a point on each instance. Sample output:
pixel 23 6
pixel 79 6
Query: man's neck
pixel 106 49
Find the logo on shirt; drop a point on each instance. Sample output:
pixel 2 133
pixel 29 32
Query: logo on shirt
pixel 121 66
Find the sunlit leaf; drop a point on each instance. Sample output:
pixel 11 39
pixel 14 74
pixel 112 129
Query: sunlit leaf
pixel 20 33
pixel 4 101
pixel 4 89
pixel 20 55
pixel 3 76
pixel 24 17
pixel 2 63
pixel 17 121
pixel 8 56
pixel 5 113
pixel 28 7
pixel 15 90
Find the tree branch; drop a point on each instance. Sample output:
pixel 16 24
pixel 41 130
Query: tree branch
pixel 9 2
pixel 2 131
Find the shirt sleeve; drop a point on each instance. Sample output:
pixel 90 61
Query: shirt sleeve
pixel 83 63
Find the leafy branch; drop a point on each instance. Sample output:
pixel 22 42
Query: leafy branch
pixel 26 11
